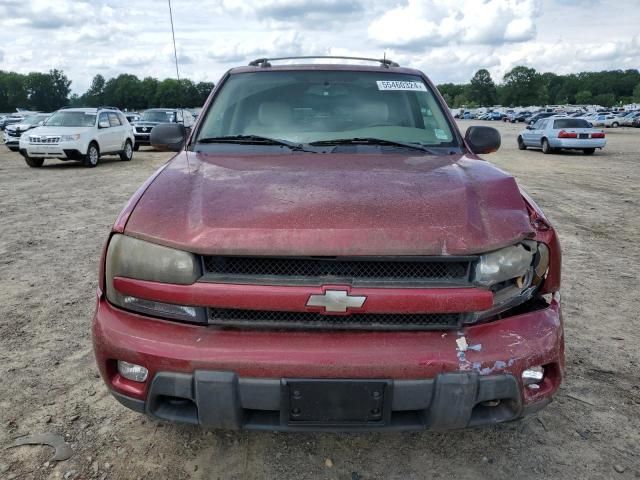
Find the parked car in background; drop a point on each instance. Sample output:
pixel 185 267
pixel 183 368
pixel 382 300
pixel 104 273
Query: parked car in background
pixel 132 116
pixel 555 133
pixel 636 122
pixel 538 116
pixel 628 119
pixel 605 120
pixel 496 116
pixel 13 132
pixel 83 134
pixel 156 116
pixel 14 118
pixel 520 116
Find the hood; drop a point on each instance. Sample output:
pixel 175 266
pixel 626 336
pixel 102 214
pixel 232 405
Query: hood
pixel 330 204
pixel 23 127
pixel 45 130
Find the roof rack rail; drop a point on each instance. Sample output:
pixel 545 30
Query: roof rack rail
pixel 107 107
pixel 266 62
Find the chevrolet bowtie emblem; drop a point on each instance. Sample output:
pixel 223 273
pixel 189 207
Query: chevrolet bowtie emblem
pixel 335 301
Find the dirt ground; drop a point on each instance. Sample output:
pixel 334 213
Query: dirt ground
pixel 53 222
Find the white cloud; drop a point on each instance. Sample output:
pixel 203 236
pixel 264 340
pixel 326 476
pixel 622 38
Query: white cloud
pixel 426 23
pixel 447 39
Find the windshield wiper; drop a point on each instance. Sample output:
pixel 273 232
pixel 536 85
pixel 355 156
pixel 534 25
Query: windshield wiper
pixel 372 141
pixel 254 140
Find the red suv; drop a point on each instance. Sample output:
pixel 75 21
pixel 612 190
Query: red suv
pixel 327 252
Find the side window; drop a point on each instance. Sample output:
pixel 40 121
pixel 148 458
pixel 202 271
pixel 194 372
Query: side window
pixel 103 118
pixel 114 121
pixel 123 119
pixel 538 125
pixel 179 117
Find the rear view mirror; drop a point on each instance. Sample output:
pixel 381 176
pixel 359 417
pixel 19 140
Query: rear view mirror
pixel 529 127
pixel 483 140
pixel 168 137
pixel 103 124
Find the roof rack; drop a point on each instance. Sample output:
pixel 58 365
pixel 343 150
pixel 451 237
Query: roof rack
pixel 266 62
pixel 106 107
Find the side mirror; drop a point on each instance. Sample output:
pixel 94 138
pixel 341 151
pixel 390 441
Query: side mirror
pixel 168 137
pixel 483 139
pixel 103 124
pixel 529 127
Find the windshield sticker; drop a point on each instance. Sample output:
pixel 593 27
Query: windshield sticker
pixel 399 85
pixel 441 134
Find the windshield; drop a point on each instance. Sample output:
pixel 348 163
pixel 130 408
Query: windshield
pixel 319 106
pixel 64 118
pixel 571 123
pixel 33 119
pixel 160 116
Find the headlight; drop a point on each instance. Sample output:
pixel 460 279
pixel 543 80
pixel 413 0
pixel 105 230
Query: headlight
pixel 132 258
pixel 70 138
pixel 513 274
pixel 505 264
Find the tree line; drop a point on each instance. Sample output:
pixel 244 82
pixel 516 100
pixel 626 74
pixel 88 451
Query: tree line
pixel 523 86
pixel 47 92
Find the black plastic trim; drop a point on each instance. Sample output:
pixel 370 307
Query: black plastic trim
pixel 221 399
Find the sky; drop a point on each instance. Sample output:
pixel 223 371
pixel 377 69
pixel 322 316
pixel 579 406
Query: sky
pixel 447 39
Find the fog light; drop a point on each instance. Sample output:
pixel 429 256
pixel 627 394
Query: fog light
pixel 131 371
pixel 532 376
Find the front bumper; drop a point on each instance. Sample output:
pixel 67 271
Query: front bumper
pixel 142 138
pixel 237 378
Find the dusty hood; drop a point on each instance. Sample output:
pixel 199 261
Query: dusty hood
pixel 330 204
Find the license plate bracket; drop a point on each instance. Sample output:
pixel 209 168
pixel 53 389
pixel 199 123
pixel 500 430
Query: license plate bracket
pixel 329 403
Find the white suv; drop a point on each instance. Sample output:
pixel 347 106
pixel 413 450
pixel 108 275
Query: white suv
pixel 79 134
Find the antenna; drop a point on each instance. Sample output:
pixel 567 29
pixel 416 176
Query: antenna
pixel 173 34
pixel 175 55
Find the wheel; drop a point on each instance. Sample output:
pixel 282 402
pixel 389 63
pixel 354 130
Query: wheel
pixel 589 151
pixel 521 145
pixel 92 156
pixel 136 147
pixel 615 124
pixel 34 162
pixel 127 153
pixel 546 148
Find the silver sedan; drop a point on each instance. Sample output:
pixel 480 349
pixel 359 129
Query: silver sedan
pixel 554 133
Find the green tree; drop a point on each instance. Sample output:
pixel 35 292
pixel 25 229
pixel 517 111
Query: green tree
pixel 204 89
pixel 482 90
pixel 13 91
pixel 584 97
pixel 523 86
pixel 605 99
pixel 47 91
pixel 636 93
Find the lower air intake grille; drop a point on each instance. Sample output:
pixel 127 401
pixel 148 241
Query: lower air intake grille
pixel 312 320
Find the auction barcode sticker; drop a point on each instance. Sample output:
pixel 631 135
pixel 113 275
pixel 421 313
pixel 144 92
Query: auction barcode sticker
pixel 400 85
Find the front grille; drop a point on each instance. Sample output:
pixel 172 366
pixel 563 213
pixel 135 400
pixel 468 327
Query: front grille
pixel 326 270
pixel 40 140
pixel 313 320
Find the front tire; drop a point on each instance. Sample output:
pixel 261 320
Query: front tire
pixel 615 124
pixel 92 156
pixel 546 148
pixel 34 162
pixel 588 151
pixel 127 153
pixel 521 145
